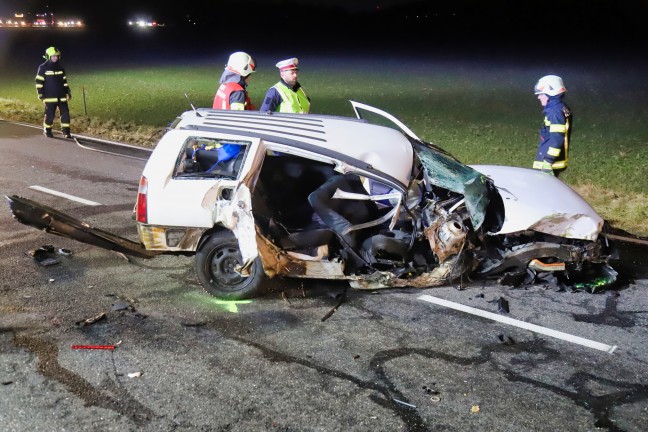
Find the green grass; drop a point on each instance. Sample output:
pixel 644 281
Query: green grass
pixel 482 114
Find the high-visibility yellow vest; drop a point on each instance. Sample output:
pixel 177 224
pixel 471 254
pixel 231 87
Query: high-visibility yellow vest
pixel 292 102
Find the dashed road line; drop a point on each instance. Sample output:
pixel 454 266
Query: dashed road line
pixel 521 324
pixel 64 195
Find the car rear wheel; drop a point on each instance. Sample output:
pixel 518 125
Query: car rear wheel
pixel 217 261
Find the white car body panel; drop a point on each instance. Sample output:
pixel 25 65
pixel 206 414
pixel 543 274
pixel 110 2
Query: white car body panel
pixel 170 201
pixel 562 212
pixel 386 149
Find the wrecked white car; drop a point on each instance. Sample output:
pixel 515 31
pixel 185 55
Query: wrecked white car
pixel 258 195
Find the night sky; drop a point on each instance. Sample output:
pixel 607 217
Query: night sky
pixel 348 24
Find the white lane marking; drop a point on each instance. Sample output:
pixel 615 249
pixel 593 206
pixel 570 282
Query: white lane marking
pixel 64 195
pixel 510 321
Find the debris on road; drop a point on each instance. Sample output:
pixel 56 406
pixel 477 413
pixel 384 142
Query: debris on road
pixel 474 409
pixel 404 403
pixel 92 320
pixel 507 341
pixel 502 305
pixel 121 305
pixel 342 298
pixel 135 375
pixel 43 255
pixel 430 390
pixel 94 347
pixel 64 252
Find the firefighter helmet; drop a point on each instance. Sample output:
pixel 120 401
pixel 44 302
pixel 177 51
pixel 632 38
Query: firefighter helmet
pixel 241 63
pixel 551 85
pixel 51 51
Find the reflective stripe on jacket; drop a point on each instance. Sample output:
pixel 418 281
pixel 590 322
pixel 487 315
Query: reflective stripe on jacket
pixel 291 101
pixel 553 150
pixel 223 94
pixel 51 82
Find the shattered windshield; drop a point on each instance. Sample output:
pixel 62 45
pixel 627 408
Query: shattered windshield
pixel 446 172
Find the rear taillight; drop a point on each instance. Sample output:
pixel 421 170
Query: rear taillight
pixel 141 200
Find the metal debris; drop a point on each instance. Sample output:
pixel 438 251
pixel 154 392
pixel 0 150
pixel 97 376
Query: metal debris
pixel 64 252
pixel 404 403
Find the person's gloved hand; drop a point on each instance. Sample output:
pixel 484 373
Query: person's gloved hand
pixel 69 96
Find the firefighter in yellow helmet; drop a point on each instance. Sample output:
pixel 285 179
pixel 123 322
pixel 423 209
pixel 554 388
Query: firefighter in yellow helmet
pixel 553 151
pixel 287 95
pixel 232 92
pixel 54 92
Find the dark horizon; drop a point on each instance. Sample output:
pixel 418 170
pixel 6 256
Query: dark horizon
pixel 585 31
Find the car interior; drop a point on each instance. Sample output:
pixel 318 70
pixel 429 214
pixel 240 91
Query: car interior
pixel 293 207
pixel 207 157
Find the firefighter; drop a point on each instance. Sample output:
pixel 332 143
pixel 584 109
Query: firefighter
pixel 553 151
pixel 232 93
pixel 287 95
pixel 54 92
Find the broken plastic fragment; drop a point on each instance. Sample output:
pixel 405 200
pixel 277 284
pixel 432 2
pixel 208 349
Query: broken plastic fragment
pixel 92 320
pixel 135 375
pixel 120 305
pixel 474 409
pixel 41 256
pixel 502 305
pixel 94 347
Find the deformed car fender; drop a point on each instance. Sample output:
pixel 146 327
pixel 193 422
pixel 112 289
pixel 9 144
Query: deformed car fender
pixel 540 202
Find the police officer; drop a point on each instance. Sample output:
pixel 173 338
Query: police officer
pixel 53 90
pixel 232 93
pixel 553 151
pixel 287 95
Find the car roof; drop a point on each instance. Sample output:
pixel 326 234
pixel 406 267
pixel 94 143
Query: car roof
pixel 385 149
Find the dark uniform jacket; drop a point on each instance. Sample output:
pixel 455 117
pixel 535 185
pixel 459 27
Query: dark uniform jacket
pixel 51 82
pixel 554 134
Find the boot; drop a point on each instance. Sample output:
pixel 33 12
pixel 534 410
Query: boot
pixel 48 132
pixel 66 133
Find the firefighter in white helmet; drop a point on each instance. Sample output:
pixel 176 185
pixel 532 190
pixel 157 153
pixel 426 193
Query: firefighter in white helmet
pixel 553 151
pixel 287 95
pixel 232 93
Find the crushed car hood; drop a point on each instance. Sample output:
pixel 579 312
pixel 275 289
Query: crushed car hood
pixel 541 202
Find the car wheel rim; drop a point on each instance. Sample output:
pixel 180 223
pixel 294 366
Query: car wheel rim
pixel 223 266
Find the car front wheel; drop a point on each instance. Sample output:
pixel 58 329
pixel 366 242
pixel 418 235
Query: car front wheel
pixel 217 262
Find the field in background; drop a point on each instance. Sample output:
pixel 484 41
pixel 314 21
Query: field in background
pixel 484 112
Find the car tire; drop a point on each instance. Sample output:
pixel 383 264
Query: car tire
pixel 216 260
